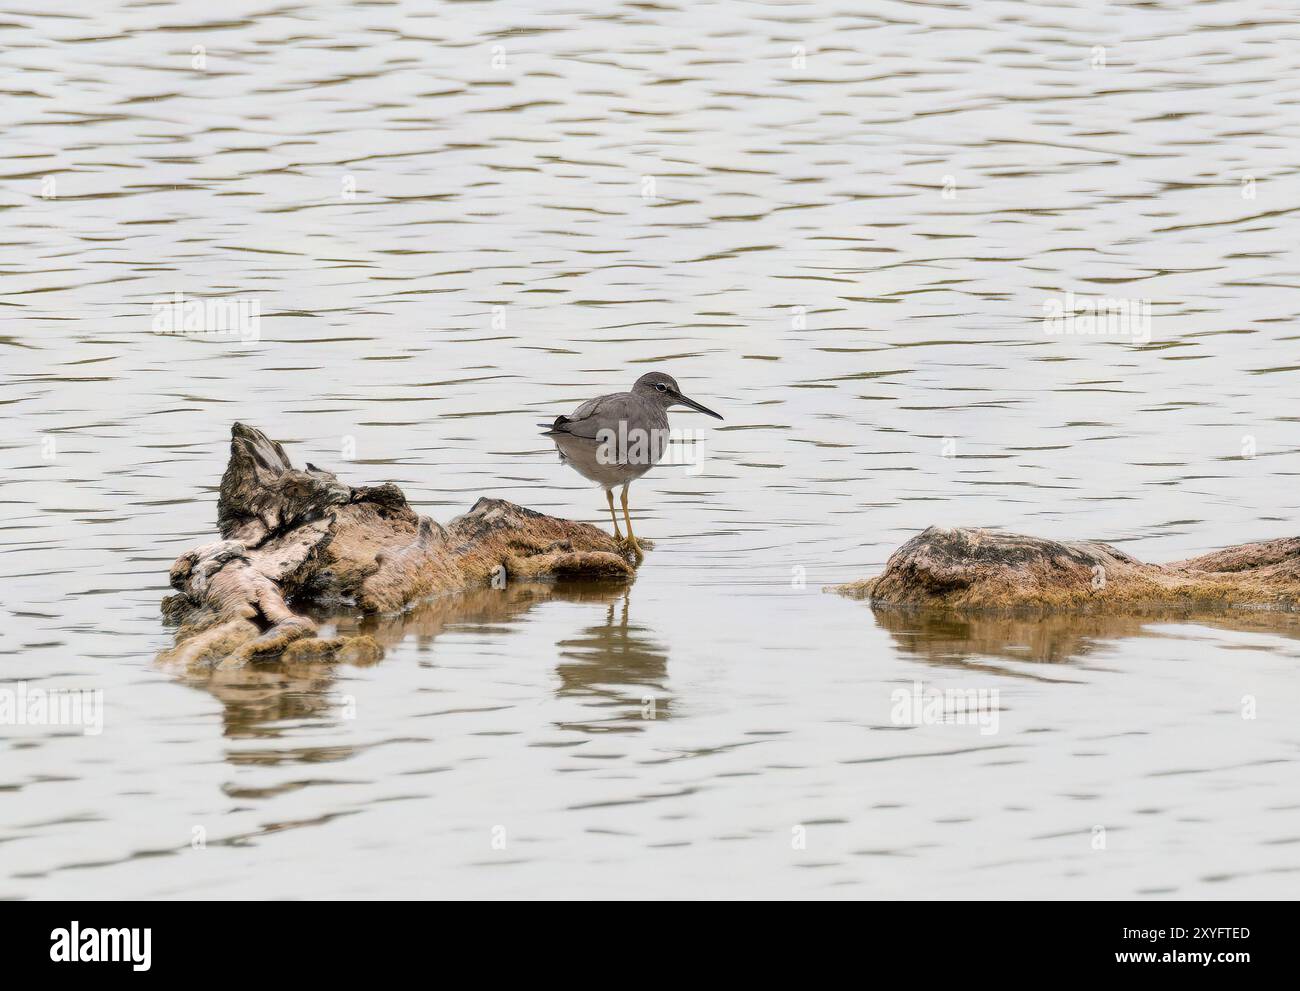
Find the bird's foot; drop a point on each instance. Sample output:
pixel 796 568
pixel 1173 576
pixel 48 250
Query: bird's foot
pixel 630 544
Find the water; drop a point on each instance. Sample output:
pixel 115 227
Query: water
pixel 838 227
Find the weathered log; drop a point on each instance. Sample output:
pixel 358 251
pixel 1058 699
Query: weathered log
pixel 970 569
pixel 302 536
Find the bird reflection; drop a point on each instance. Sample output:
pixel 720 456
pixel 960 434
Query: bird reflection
pixel 616 669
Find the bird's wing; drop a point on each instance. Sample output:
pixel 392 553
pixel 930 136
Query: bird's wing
pixel 603 412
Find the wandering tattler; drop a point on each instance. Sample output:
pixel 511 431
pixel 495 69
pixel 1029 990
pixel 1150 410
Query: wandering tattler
pixel 615 439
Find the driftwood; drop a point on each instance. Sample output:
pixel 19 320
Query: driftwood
pixel 293 536
pixel 969 569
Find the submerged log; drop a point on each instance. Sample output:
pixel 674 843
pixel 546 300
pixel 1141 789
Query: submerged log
pixel 969 569
pixel 301 536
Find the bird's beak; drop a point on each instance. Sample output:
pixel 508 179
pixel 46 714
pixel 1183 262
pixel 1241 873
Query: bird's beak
pixel 694 405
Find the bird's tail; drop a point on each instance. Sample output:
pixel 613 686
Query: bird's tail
pixel 557 427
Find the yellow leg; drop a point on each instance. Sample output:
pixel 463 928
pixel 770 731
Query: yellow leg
pixel 609 495
pixel 631 537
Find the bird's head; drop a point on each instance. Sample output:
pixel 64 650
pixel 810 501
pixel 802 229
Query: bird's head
pixel 663 389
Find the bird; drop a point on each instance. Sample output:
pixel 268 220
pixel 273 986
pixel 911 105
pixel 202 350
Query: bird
pixel 615 439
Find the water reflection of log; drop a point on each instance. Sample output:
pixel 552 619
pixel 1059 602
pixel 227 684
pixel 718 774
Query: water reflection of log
pixel 478 607
pixel 951 638
pixel 260 701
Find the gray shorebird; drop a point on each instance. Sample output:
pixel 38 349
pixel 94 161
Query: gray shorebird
pixel 614 440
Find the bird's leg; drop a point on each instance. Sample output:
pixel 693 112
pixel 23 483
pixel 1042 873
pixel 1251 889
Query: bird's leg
pixel 609 495
pixel 631 537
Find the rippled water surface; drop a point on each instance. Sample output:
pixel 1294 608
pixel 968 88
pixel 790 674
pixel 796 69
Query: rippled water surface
pixel 837 224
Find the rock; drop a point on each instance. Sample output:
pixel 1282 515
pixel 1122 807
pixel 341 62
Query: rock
pixel 304 536
pixel 971 569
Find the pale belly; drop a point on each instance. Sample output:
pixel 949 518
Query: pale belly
pixel 591 461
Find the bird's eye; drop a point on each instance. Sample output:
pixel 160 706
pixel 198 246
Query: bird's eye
pixel 661 387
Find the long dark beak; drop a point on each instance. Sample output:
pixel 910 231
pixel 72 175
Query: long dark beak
pixel 694 405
